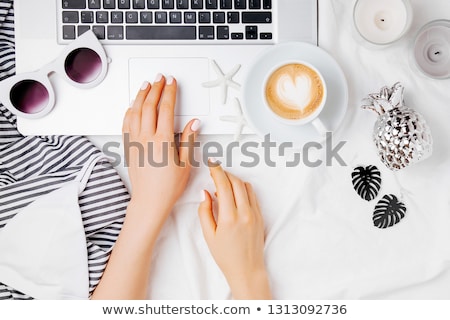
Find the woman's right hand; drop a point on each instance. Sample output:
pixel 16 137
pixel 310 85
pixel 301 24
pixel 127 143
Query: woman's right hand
pixel 236 238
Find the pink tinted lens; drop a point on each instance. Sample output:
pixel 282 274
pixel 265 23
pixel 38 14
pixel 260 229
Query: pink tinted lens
pixel 29 96
pixel 83 65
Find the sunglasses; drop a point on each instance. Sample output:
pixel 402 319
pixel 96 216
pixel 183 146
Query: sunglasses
pixel 83 63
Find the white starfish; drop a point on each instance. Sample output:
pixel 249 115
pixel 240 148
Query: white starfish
pixel 239 119
pixel 224 80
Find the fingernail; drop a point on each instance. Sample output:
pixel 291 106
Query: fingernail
pixel 144 85
pixel 203 196
pixel 213 160
pixel 196 125
pixel 169 80
pixel 158 77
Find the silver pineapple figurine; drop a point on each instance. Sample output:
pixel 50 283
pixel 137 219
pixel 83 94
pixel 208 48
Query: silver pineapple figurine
pixel 401 135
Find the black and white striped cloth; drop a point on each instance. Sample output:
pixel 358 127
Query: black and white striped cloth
pixel 33 166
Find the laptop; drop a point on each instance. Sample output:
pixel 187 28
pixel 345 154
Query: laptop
pixel 193 40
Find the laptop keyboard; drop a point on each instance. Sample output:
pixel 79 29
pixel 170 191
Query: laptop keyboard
pixel 169 21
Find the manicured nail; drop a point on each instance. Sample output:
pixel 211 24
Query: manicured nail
pixel 144 85
pixel 158 77
pixel 213 160
pixel 169 80
pixel 203 196
pixel 196 125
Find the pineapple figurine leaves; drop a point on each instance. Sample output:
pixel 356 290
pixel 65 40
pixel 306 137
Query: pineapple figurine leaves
pixel 401 135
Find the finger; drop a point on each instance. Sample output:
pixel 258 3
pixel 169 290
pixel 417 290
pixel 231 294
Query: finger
pixel 252 197
pixel 166 115
pixel 223 188
pixel 141 95
pixel 150 106
pixel 239 191
pixel 136 105
pixel 187 141
pixel 133 122
pixel 126 122
pixel 205 213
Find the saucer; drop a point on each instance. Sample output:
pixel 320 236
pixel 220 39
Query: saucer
pixel 260 117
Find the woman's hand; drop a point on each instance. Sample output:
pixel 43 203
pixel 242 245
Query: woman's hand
pixel 236 238
pixel 158 170
pixel 159 173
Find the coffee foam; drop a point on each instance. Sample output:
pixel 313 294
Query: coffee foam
pixel 294 91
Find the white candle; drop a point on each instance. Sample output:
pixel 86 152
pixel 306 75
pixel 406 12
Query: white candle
pixel 382 21
pixel 432 49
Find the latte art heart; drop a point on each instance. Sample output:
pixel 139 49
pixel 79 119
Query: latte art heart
pixel 294 91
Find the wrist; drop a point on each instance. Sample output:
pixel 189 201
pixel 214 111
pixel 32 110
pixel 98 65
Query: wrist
pixel 251 286
pixel 146 218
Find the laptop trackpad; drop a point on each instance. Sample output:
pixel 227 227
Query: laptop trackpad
pixel 192 98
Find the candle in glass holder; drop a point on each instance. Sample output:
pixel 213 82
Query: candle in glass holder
pixel 382 21
pixel 432 49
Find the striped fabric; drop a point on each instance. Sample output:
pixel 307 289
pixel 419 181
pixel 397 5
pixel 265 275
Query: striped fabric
pixel 33 166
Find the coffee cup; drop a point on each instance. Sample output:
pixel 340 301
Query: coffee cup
pixel 295 92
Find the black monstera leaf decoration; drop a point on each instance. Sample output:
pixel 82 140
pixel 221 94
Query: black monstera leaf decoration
pixel 367 182
pixel 388 212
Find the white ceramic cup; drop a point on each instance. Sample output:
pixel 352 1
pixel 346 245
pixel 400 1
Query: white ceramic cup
pixel 312 118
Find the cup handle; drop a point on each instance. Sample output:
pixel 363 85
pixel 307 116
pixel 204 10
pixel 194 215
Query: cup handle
pixel 320 127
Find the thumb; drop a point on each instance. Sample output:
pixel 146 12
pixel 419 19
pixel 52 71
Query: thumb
pixel 205 213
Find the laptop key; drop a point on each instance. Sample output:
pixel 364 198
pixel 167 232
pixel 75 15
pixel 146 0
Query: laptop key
pixel 256 17
pixel 146 17
pixel 175 17
pixel 206 33
pixel 196 4
pixel 153 4
pixel 182 4
pixel 115 33
pixel 87 17
pixel 226 4
pixel 132 17
pixel 251 32
pixel 94 4
pixel 190 17
pixel 265 35
pixel 102 17
pixel 68 32
pixel 240 4
pixel 82 29
pixel 267 4
pixel 204 17
pixel 161 17
pixel 161 32
pixel 99 31
pixel 254 4
pixel 116 17
pixel 74 4
pixel 211 4
pixel 167 4
pixel 233 17
pixel 223 32
pixel 109 4
pixel 237 36
pixel 124 4
pixel 138 4
pixel 219 17
pixel 70 17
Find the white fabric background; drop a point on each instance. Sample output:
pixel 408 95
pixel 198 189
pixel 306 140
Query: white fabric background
pixel 321 242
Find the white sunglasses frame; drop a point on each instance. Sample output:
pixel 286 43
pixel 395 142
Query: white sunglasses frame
pixel 86 40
